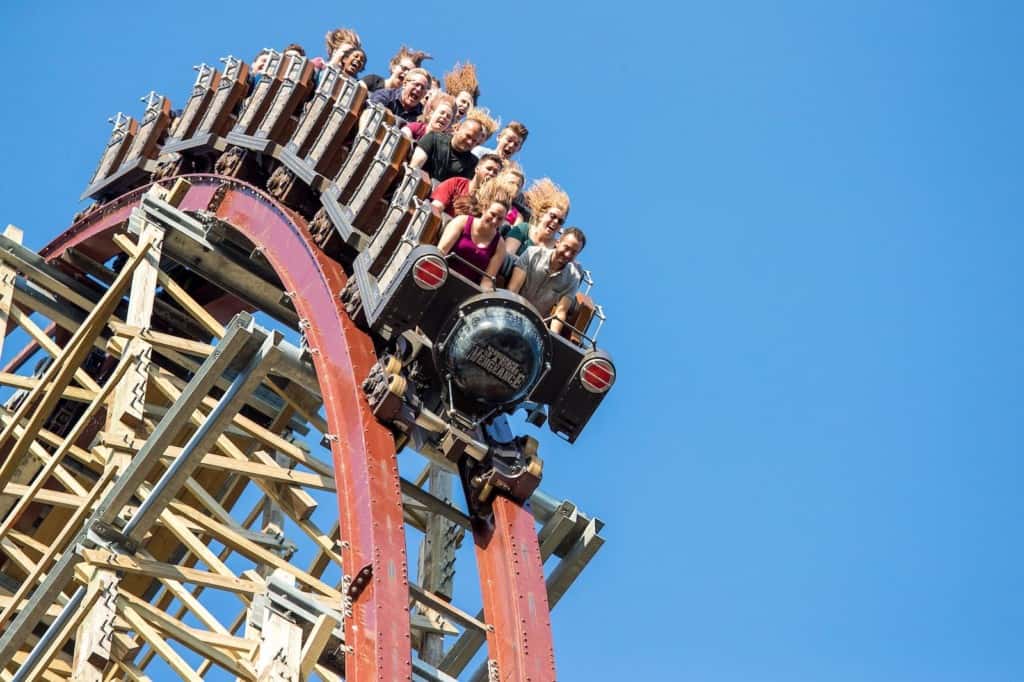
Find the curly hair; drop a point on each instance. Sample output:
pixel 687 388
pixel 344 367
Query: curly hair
pixel 483 117
pixel 462 77
pixel 543 194
pixel 404 52
pixel 339 36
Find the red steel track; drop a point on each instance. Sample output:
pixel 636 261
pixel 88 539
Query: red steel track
pixel 366 470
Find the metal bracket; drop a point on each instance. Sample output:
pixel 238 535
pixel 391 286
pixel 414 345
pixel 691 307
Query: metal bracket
pixel 359 582
pixel 103 534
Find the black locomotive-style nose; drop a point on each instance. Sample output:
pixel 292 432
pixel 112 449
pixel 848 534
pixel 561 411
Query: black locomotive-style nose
pixel 496 349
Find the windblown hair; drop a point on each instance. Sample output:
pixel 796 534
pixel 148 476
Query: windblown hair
pixel 543 194
pixel 417 56
pixel 462 77
pixel 434 103
pixel 519 129
pixel 334 39
pixel 483 117
pixel 495 190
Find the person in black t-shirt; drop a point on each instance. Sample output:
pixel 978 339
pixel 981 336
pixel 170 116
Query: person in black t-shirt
pixel 445 156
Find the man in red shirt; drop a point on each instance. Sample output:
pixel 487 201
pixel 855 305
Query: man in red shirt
pixel 445 194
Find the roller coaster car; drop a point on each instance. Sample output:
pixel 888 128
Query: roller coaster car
pixel 490 352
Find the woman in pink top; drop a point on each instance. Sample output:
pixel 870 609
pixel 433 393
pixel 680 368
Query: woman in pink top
pixel 475 240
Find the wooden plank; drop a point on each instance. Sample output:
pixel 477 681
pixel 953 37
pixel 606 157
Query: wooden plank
pixel 156 641
pixel 280 651
pixel 125 411
pixel 39 403
pixel 8 275
pixel 226 651
pixel 67 444
pixel 159 569
pixel 244 546
pixel 315 643
pixel 46 343
pixel 81 395
pixel 96 631
pixel 162 340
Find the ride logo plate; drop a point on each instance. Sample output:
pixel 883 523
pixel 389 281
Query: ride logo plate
pixel 495 352
pixel 498 365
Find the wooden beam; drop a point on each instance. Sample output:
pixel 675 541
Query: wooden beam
pixel 244 546
pixel 96 631
pixel 158 644
pixel 315 643
pixel 40 402
pixel 226 651
pixel 66 444
pixel 46 343
pixel 159 569
pixel 8 275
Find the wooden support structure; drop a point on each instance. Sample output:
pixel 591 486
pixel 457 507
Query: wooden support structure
pixel 131 539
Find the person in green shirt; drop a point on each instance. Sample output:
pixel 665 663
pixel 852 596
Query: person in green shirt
pixel 549 207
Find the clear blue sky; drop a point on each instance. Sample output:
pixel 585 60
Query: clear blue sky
pixel 805 220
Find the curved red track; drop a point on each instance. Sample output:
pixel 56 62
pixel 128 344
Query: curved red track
pixel 366 471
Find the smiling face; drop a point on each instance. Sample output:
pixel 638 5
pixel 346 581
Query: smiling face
pixel 466 135
pixel 404 66
pixel 353 62
pixel 486 169
pixel 464 102
pixel 414 89
pixel 551 219
pixel 509 143
pixel 566 250
pixel 494 214
pixel 441 118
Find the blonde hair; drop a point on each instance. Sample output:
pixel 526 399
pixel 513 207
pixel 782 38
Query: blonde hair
pixel 543 194
pixel 483 117
pixel 462 77
pixel 495 190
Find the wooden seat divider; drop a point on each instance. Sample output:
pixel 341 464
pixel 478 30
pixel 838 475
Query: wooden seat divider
pixel 414 186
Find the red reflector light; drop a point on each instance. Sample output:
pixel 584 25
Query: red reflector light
pixel 597 376
pixel 429 272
